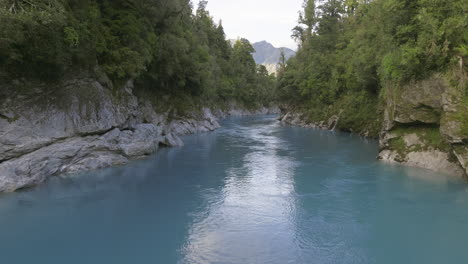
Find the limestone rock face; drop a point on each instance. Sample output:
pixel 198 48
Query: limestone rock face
pixel 77 154
pixel 461 152
pixel 419 101
pixel 426 125
pixel 235 110
pixel 454 121
pixel 83 125
pixel 298 119
pixel 172 141
pixel 86 107
pixel 434 160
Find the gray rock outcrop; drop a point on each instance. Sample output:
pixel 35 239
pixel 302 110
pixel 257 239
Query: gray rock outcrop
pixel 84 127
pixel 424 126
pixel 298 119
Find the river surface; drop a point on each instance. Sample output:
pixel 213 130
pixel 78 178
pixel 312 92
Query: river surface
pixel 252 192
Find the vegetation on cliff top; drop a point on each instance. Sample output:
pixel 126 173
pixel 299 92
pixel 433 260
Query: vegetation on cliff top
pixel 166 46
pixel 350 50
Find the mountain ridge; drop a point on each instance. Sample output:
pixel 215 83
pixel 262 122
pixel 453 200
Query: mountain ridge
pixel 268 55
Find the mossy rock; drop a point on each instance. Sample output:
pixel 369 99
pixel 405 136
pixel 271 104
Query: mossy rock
pixel 455 126
pixel 461 152
pixel 417 101
pixel 406 139
pixel 454 123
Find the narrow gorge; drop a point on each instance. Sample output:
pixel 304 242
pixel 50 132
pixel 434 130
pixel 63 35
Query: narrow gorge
pixel 175 132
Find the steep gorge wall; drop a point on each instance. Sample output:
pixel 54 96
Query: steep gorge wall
pixel 85 125
pixel 426 124
pixel 423 123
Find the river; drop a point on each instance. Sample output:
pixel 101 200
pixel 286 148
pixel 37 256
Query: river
pixel 251 192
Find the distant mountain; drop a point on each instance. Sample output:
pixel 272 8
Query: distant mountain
pixel 268 55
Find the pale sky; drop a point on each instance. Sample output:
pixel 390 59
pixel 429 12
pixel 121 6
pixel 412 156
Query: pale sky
pixel 256 20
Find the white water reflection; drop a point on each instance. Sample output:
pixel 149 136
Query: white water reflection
pixel 254 206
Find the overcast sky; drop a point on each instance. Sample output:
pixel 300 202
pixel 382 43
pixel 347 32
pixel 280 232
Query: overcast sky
pixel 256 20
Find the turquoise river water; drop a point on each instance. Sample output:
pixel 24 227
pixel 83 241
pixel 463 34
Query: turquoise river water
pixel 252 192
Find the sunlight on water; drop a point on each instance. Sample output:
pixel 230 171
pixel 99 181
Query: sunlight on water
pixel 255 206
pixel 252 192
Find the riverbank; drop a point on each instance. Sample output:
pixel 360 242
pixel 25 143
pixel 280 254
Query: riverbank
pixel 87 127
pixel 421 124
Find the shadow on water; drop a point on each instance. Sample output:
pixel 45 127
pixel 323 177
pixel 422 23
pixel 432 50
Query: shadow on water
pixel 252 192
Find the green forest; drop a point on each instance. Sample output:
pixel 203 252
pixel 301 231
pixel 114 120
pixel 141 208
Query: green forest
pixel 353 51
pixel 166 46
pixel 350 51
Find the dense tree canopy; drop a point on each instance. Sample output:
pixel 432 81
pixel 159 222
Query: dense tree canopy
pixel 351 49
pixel 163 44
